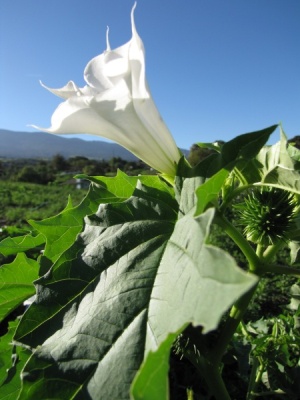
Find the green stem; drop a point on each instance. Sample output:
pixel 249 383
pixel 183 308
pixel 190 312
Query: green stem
pixel 272 250
pixel 282 269
pixel 213 378
pixel 234 193
pixel 252 384
pixel 260 251
pixel 208 371
pixel 243 244
pixel 259 367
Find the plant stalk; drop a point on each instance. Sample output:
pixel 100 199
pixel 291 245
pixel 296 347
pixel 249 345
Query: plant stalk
pixel 272 250
pixel 282 269
pixel 259 368
pixel 241 242
pixel 213 378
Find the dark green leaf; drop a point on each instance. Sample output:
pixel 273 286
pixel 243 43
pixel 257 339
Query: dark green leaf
pixel 245 146
pixel 12 360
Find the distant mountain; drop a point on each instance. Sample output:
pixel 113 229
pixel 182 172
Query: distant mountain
pixel 38 145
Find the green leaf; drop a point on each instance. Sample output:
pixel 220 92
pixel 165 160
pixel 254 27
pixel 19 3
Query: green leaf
pixel 16 283
pixel 209 191
pixel 295 252
pixel 62 229
pixel 6 350
pixel 18 244
pixel 212 146
pixel 12 360
pixel 295 297
pixel 199 281
pixel 240 150
pixel 215 169
pixel 151 382
pixel 195 283
pixel 245 146
pixel 122 186
pixel 134 276
pixel 275 166
pixel 93 309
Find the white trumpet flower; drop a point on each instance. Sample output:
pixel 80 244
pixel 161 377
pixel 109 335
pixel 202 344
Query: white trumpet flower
pixel 117 104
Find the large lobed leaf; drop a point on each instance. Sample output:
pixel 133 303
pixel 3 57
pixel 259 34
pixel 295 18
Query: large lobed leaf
pixel 196 283
pixel 92 310
pixel 134 276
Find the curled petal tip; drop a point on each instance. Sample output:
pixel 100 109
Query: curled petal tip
pixel 132 16
pixel 107 39
pixel 38 128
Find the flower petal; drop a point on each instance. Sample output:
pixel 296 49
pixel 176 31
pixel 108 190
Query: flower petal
pixel 69 90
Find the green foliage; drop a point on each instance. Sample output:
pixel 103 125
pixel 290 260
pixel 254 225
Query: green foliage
pixel 60 169
pixel 16 283
pixel 12 361
pixel 23 201
pixel 141 267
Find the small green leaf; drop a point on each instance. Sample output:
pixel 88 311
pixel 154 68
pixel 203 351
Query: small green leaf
pixel 209 191
pixel 18 244
pixel 212 146
pixel 295 252
pixel 274 166
pixel 61 230
pixel 16 283
pixel 118 188
pixel 151 382
pixel 122 186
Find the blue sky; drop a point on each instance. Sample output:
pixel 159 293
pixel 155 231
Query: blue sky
pixel 216 68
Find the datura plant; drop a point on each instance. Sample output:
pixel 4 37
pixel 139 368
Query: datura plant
pixel 131 277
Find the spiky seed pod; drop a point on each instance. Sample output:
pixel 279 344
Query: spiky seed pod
pixel 267 215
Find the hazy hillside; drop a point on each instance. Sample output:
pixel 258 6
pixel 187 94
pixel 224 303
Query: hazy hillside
pixel 44 145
